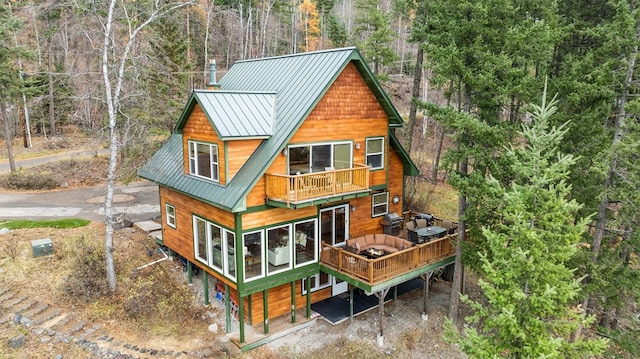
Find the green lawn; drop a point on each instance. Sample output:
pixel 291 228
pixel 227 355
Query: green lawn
pixel 57 223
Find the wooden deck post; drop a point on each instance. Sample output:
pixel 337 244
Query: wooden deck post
pixel 425 295
pixel 381 294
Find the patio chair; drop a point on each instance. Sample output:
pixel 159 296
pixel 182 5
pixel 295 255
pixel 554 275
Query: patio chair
pixel 411 226
pixel 421 223
pixel 450 226
pixel 413 236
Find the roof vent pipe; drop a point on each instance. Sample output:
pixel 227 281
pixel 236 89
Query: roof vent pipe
pixel 213 85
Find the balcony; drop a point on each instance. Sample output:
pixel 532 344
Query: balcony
pixel 297 189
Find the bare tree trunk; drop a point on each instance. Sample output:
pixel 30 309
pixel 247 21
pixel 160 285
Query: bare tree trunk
pixel 413 107
pixel 7 135
pixel 24 114
pixel 601 219
pixel 456 286
pixel 113 80
pixel 436 161
pixel 52 118
pixel 112 104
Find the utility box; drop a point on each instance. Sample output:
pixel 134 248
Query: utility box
pixel 42 247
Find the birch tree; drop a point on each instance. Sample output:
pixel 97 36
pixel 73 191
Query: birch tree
pixel 116 52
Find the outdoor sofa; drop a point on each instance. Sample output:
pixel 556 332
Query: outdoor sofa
pixel 385 242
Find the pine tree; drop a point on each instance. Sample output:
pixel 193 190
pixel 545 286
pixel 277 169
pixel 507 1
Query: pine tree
pixel 528 288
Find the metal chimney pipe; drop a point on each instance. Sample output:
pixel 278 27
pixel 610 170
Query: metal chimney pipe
pixel 213 85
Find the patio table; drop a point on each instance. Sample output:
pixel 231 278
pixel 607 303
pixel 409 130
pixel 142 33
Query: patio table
pixel 428 233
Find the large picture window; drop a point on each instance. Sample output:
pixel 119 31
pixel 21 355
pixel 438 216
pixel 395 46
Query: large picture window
pixel 279 249
pixel 375 152
pixel 319 157
pixel 253 255
pixel 305 242
pixel 203 160
pixel 379 204
pixel 214 246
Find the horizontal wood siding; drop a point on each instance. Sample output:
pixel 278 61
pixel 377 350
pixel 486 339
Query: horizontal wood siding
pixel 180 239
pixel 279 300
pixel 275 215
pixel 395 181
pixel 360 220
pixel 198 128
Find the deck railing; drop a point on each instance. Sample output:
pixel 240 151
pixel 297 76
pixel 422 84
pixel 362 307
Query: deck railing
pixel 304 187
pixel 374 271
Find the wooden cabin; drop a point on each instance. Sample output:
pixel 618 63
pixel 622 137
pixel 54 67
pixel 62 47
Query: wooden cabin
pixel 282 157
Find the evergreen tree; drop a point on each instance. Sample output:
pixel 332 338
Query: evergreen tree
pixel 528 287
pixel 375 34
pixel 11 84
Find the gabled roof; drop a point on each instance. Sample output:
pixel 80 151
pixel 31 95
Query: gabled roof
pixel 299 82
pixel 234 115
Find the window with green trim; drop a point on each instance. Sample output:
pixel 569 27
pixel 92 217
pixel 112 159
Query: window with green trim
pixel 379 204
pixel 375 152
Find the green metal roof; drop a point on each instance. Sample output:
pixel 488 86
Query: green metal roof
pixel 299 82
pixel 234 115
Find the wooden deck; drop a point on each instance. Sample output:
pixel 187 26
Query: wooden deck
pixel 298 188
pixel 376 271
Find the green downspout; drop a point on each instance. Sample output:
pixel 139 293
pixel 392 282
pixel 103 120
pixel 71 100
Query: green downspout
pixel 227 307
pixel 265 311
pixel 205 283
pixel 241 318
pixel 308 291
pixel 189 273
pixel 351 302
pixel 293 301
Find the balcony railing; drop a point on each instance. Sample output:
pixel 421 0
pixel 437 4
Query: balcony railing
pixel 375 271
pixel 309 186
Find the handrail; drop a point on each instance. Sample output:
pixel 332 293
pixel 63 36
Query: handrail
pixel 374 271
pixel 308 186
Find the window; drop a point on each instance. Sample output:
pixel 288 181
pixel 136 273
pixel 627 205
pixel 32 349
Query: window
pixel 230 265
pixel 279 249
pixel 171 215
pixel 214 246
pixel 200 239
pixel 375 152
pixel 379 204
pixel 318 281
pixel 317 158
pixel 305 242
pixel 253 255
pixel 203 160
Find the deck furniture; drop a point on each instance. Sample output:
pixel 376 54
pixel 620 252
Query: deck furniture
pixel 385 242
pixel 428 233
pixel 279 255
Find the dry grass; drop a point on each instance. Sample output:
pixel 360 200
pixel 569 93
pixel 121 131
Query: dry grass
pixel 172 313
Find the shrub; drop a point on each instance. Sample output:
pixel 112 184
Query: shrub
pixel 152 292
pixel 29 180
pixel 11 246
pixel 87 277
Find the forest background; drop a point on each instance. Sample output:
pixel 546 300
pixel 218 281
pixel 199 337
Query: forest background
pixel 476 67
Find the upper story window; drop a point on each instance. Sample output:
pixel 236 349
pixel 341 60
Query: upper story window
pixel 319 157
pixel 375 152
pixel 203 160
